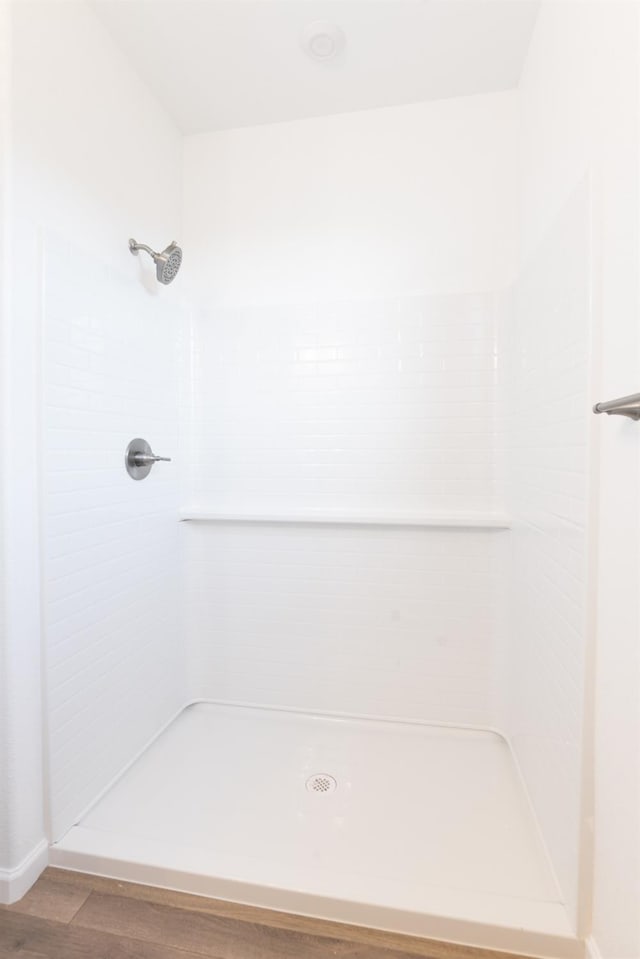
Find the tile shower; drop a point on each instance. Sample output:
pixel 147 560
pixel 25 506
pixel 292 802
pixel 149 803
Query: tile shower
pixel 370 561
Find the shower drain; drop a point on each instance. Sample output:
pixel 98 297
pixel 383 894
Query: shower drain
pixel 321 783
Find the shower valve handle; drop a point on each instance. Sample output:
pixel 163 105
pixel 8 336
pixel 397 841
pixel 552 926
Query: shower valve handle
pixel 139 458
pixel 146 459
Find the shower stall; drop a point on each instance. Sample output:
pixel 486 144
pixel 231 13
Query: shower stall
pixel 320 577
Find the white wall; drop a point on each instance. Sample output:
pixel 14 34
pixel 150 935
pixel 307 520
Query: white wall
pixel 365 621
pixel 111 553
pixel 95 162
pixel 578 148
pixel 22 846
pixel 368 405
pixel 397 201
pixel 5 100
pixel 344 361
pixel 547 407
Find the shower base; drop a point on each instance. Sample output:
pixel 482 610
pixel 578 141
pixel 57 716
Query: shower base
pixel 407 827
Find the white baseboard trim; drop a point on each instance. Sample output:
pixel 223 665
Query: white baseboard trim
pixel 592 949
pixel 14 883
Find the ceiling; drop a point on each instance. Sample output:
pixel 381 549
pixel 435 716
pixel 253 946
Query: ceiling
pixel 217 64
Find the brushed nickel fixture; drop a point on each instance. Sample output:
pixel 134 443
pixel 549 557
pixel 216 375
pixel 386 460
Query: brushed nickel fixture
pixel 139 458
pixel 167 263
pixel 625 406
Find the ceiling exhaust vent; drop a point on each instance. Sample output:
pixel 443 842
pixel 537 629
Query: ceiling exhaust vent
pixel 323 41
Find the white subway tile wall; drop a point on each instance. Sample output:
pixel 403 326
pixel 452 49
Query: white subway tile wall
pixel 111 566
pixel 547 399
pixel 382 405
pixel 371 621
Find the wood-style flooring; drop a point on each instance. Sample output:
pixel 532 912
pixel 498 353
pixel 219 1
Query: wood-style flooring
pixel 69 915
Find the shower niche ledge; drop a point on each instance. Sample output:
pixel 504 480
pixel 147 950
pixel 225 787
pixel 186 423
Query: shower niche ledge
pixel 338 517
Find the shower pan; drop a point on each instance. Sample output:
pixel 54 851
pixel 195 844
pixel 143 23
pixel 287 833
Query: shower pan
pixel 408 827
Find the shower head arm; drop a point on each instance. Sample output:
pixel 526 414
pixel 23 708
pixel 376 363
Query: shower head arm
pixel 136 247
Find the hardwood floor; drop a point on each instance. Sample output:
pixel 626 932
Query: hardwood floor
pixel 71 915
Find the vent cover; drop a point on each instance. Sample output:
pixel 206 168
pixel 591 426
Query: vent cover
pixel 323 41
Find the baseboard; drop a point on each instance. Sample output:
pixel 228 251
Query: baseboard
pixel 14 883
pixel 592 949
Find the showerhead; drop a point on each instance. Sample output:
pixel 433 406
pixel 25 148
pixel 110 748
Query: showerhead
pixel 167 263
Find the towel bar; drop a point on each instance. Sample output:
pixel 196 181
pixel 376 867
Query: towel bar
pixel 625 406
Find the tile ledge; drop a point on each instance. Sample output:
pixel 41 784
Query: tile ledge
pixel 451 520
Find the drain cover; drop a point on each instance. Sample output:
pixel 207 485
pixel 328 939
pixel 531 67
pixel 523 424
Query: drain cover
pixel 321 783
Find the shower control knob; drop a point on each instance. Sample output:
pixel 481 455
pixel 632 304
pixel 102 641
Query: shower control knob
pixel 139 458
pixel 144 459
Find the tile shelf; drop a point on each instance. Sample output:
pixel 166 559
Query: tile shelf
pixel 441 520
